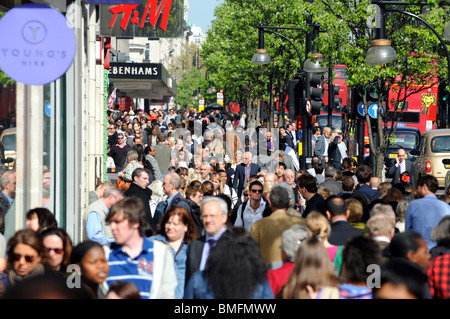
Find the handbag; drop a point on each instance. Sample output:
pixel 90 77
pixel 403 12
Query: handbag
pixel 122 184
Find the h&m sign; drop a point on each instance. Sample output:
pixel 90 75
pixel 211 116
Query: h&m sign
pixel 152 18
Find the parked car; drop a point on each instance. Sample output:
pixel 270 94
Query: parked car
pixel 433 154
pixel 8 140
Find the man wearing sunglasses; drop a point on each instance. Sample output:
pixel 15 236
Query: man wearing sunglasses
pixel 118 151
pixel 254 208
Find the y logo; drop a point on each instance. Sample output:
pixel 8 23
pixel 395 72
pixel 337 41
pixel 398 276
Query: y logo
pixel 34 32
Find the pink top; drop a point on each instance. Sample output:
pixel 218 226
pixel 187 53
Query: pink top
pixel 332 251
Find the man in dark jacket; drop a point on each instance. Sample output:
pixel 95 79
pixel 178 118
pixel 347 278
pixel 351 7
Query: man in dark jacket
pixel 307 187
pixel 139 189
pixel 337 213
pixel 194 198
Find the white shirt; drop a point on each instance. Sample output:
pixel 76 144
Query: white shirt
pixel 249 216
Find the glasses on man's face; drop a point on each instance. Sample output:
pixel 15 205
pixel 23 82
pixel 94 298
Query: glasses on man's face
pixel 120 138
pixel 246 195
pixel 57 251
pixel 18 257
pixel 256 191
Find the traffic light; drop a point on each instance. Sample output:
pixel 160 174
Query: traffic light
pixel 314 91
pixel 372 93
pixel 445 97
pixel 295 93
pixel 336 100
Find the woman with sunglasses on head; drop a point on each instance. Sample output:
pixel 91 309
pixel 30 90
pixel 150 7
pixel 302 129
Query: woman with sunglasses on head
pixel 59 247
pixel 26 257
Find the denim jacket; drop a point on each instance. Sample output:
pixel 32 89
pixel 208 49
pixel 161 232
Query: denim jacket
pixel 180 258
pixel 198 288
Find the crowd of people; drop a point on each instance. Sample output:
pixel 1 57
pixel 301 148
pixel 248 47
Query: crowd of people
pixel 208 205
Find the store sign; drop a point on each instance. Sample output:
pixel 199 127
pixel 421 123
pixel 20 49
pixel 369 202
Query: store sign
pixel 152 18
pixel 143 71
pixel 37 44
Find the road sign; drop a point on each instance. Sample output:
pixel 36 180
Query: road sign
pixel 361 109
pixel 373 111
pixel 308 106
pixel 220 97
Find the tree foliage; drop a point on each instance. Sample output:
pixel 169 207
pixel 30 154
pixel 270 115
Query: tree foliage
pixel 4 79
pixel 192 81
pixel 347 28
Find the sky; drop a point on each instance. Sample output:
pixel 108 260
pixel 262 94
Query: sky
pixel 201 12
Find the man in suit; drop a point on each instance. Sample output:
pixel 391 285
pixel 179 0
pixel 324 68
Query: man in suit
pixel 322 143
pixel 171 187
pixel 214 211
pixel 267 232
pixel 381 228
pixel 337 213
pixel 402 165
pixel 289 141
pixel 243 172
pixel 8 185
pixel 163 154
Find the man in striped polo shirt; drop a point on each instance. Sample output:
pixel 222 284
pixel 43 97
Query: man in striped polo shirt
pixel 134 258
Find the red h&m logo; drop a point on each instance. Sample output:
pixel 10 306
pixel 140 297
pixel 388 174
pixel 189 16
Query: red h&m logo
pixel 151 9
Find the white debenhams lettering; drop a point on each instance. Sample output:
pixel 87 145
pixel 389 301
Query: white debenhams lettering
pixel 133 70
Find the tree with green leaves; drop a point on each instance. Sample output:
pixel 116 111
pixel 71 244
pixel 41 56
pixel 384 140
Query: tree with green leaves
pixel 232 41
pixel 192 81
pixel 4 79
pixel 348 31
pixel 347 28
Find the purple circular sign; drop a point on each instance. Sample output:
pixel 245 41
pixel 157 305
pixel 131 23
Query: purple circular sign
pixel 37 45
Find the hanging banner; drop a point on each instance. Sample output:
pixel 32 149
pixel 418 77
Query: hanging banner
pixel 37 44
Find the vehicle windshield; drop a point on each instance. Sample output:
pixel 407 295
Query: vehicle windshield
pixel 9 142
pixel 405 140
pixel 440 144
pixel 336 122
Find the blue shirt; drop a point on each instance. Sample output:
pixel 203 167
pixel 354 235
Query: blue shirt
pixel 424 214
pixel 138 270
pixel 198 288
pixel 180 258
pixel 94 228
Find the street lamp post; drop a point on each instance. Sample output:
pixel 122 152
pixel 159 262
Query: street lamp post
pixel 381 51
pixel 313 65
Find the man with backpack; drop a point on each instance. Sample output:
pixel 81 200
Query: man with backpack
pixel 254 209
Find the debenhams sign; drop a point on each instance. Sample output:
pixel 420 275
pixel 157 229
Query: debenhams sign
pixel 143 71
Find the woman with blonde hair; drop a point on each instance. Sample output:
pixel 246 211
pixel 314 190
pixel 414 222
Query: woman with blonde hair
pixel 267 187
pixel 313 270
pixel 356 210
pixel 319 226
pixel 218 184
pixel 184 174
